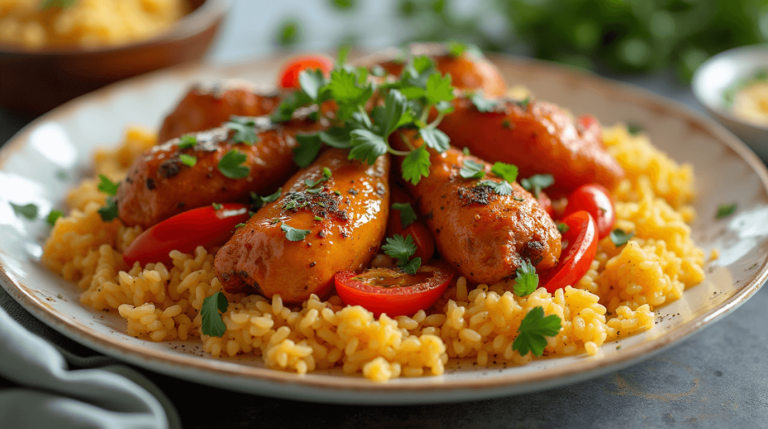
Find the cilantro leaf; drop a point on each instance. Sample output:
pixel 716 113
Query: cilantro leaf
pixel 53 216
pixel 524 103
pixel 527 280
pixel 563 228
pixel 336 137
pixel 620 238
pixel 28 211
pixel 400 248
pixel 109 211
pixel 501 188
pixel 245 129
pixel 725 210
pixel 411 266
pixel 189 160
pixel 229 165
pixel 435 138
pixel 444 107
pixel 312 81
pixel 293 234
pixel 416 165
pixel 507 172
pixel 107 186
pixel 187 141
pixel 407 215
pixel 635 129
pixel 481 103
pixel 307 150
pixel 212 325
pixel 259 201
pixel 537 182
pixel 348 90
pixel 533 330
pixel 456 49
pixel 439 88
pixel 367 146
pixel 472 170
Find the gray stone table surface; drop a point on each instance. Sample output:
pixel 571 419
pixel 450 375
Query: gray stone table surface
pixel 717 378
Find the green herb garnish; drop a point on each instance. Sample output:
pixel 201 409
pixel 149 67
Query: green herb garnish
pixel 507 172
pixel 217 206
pixel 563 228
pixel 187 141
pixel 307 150
pixel 293 234
pixel 533 331
pixel 725 210
pixel 28 211
pixel 259 201
pixel 230 165
pixel 501 188
pixel 634 129
pixel 620 238
pixel 527 280
pixel 53 215
pixel 107 186
pixel 537 182
pixel 407 215
pixel 189 160
pixel 109 211
pixel 472 170
pixel 244 128
pixel 402 248
pixel 211 311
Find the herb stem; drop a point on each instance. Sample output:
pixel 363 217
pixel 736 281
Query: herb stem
pixel 398 152
pixel 407 142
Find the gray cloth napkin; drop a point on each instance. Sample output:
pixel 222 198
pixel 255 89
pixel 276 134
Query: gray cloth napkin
pixel 39 390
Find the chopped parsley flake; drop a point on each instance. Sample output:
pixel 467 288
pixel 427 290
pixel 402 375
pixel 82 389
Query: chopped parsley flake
pixel 563 228
pixel 465 151
pixel 524 103
pixel 259 201
pixel 537 182
pixel 28 211
pixel 327 174
pixel 481 103
pixel 318 218
pixel 635 129
pixel 230 165
pixel 239 225
pixel 212 324
pixel 244 128
pixel 501 188
pixel 725 210
pixel 620 238
pixel 109 211
pixel 217 206
pixel 472 170
pixel 53 216
pixel 407 215
pixel 507 172
pixel 293 234
pixel 107 186
pixel 533 331
pixel 187 141
pixel 527 280
pixel 189 160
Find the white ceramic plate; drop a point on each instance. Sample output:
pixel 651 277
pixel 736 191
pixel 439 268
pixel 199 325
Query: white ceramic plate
pixel 64 139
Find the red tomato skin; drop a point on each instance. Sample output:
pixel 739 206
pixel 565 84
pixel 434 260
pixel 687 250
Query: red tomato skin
pixel 577 258
pixel 595 200
pixel 289 75
pixel 402 301
pixel 546 204
pixel 589 124
pixel 204 226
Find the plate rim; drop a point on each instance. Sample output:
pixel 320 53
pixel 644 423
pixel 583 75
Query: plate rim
pixel 176 363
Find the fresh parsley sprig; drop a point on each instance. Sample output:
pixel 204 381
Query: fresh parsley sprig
pixel 527 280
pixel 109 211
pixel 407 214
pixel 212 324
pixel 533 331
pixel 244 128
pixel 402 248
pixel 537 183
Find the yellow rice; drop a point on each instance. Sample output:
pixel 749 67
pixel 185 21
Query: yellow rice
pixel 616 298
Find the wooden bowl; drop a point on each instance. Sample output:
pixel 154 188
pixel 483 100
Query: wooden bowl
pixel 34 82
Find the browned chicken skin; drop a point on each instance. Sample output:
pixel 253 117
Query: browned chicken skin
pixel 210 105
pixel 159 185
pixel 485 236
pixel 353 205
pixel 538 137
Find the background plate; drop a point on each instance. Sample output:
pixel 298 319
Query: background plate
pixel 63 140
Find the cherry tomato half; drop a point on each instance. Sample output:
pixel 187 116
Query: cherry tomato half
pixel 579 248
pixel 391 291
pixel 425 243
pixel 546 204
pixel 595 200
pixel 289 75
pixel 204 226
